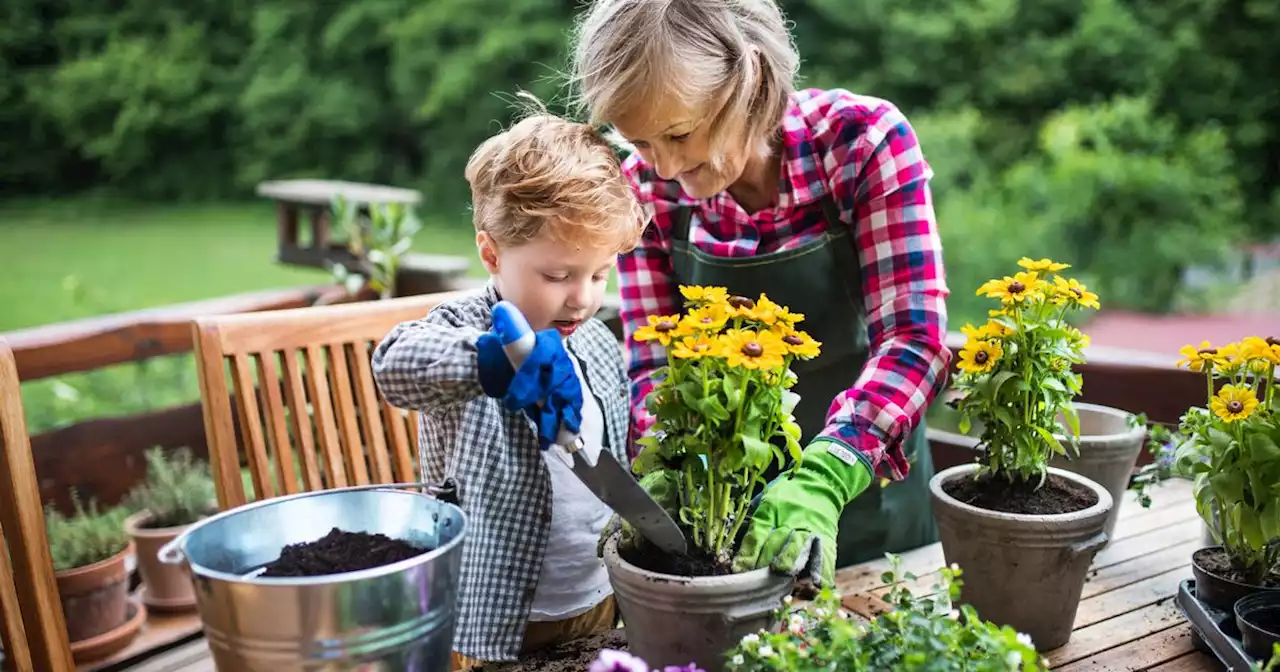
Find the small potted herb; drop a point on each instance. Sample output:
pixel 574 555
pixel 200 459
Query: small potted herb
pixel 88 551
pixel 925 633
pixel 178 491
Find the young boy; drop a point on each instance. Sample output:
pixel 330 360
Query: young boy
pixel 552 211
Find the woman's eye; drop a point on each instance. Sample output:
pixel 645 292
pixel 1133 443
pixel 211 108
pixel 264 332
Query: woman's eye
pixel 680 138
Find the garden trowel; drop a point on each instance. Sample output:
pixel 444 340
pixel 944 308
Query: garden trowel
pixel 610 481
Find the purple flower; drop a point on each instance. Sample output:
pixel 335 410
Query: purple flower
pixel 611 660
pixel 683 668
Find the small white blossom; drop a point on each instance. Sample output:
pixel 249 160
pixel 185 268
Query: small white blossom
pixel 738 659
pixel 750 639
pixel 787 600
pixel 1025 640
pixel 1014 660
pixel 766 651
pixel 954 614
pixel 796 626
pixel 955 567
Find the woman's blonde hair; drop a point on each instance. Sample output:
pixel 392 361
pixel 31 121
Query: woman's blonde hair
pixel 548 174
pixel 734 57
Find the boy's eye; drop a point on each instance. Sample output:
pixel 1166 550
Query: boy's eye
pixel 554 278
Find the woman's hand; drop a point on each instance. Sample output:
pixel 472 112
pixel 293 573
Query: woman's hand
pixel 794 526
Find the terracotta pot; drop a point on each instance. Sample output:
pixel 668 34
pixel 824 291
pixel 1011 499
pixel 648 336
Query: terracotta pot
pixel 95 598
pixel 166 587
pixel 1021 570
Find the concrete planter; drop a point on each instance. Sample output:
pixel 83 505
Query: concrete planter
pixel 677 620
pixel 1024 571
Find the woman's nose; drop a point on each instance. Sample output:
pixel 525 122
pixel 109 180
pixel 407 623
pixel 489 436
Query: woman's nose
pixel 667 163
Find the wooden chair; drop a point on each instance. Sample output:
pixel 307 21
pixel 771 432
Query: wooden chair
pixel 34 632
pixel 305 405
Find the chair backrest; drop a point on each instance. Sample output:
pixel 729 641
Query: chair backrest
pixel 34 632
pixel 308 412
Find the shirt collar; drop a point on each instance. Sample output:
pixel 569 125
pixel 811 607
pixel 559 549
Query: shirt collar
pixel 803 178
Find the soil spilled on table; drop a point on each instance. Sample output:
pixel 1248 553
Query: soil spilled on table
pixel 1056 496
pixel 573 656
pixel 340 551
pixel 656 560
pixel 1216 562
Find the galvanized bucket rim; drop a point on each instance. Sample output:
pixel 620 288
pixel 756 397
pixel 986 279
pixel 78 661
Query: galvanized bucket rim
pixel 174 552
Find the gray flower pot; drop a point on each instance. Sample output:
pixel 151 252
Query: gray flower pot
pixel 1109 450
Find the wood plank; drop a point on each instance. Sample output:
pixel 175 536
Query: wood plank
pixel 1094 639
pixel 1125 573
pixel 160 633
pixel 1196 661
pixel 1155 590
pixel 192 657
pixel 1142 545
pixel 1161 647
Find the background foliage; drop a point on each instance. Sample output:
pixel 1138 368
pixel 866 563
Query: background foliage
pixel 1130 137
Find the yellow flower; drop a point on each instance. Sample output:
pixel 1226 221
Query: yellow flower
pixel 1258 349
pixel 800 344
pixel 752 349
pixel 710 317
pixel 991 329
pixel 697 347
pixel 1020 287
pixel 741 306
pixel 704 295
pixel 1071 290
pixel 1043 265
pixel 661 328
pixel 1079 336
pixel 1233 403
pixel 1196 358
pixel 766 311
pixel 980 356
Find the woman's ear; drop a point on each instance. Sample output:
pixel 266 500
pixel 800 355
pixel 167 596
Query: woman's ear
pixel 488 249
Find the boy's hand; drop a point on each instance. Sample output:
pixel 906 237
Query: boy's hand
pixel 546 387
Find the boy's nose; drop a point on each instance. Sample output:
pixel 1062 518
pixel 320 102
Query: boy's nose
pixel 580 296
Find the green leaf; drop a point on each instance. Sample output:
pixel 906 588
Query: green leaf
pixel 649 459
pixel 732 392
pixel 758 452
pixel 1262 448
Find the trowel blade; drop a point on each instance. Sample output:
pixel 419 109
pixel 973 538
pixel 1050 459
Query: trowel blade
pixel 615 486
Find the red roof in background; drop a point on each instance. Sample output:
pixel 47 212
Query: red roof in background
pixel 1165 334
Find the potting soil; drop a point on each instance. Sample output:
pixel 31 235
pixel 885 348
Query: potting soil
pixel 340 551
pixel 1058 495
pixel 1217 563
pixel 572 656
pixel 656 560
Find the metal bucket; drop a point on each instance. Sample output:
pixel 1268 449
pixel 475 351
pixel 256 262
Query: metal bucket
pixel 395 617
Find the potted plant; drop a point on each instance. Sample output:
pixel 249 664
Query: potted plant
pixel 89 550
pixel 178 491
pixel 723 414
pixel 1231 450
pixel 1017 526
pixel 918 633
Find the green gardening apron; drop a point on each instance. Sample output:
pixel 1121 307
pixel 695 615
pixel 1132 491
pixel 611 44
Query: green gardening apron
pixel 821 279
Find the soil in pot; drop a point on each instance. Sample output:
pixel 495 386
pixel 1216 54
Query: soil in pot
pixel 656 560
pixel 1219 584
pixel 1215 561
pixel 340 551
pixel 1056 496
pixel 572 656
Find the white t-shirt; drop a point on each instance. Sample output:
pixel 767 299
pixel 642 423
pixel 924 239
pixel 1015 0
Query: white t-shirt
pixel 573 579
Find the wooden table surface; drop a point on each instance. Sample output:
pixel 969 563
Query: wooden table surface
pixel 1127 620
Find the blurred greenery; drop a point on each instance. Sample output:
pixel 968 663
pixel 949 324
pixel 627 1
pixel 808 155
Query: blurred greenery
pixel 1131 138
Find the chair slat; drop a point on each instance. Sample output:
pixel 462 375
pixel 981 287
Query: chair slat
pixel 296 398
pixel 251 426
pixel 278 433
pixel 367 407
pixel 322 408
pixel 344 407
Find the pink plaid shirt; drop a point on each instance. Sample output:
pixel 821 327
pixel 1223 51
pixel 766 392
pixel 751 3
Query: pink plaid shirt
pixel 863 152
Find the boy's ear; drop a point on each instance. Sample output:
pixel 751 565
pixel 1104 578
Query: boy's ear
pixel 488 249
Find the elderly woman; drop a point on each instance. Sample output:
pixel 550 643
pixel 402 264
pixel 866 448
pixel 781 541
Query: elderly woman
pixel 818 198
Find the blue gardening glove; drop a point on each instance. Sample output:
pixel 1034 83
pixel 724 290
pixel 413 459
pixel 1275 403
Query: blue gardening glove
pixel 495 369
pixel 662 487
pixel 794 526
pixel 546 388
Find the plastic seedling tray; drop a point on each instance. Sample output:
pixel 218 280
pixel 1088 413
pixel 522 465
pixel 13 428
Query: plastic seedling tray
pixel 1215 630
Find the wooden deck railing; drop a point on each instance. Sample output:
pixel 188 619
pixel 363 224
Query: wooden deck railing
pixel 103 457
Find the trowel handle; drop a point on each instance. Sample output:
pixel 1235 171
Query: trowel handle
pixel 518 340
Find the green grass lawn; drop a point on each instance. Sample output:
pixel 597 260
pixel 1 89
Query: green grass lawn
pixel 127 256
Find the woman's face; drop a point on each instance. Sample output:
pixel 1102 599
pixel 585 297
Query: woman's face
pixel 675 140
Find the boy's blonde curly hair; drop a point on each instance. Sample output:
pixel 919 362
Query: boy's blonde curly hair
pixel 552 175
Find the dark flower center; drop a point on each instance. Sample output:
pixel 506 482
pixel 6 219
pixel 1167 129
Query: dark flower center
pixel 700 347
pixel 707 320
pixel 1235 406
pixel 664 325
pixel 752 349
pixel 792 339
pixel 1077 292
pixel 1207 351
pixel 741 302
pixel 1272 340
pixel 1016 287
pixel 981 357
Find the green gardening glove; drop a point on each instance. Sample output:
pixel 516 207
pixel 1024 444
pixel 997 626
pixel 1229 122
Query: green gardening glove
pixel 661 486
pixel 794 526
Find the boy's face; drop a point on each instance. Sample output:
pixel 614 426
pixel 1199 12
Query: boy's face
pixel 554 284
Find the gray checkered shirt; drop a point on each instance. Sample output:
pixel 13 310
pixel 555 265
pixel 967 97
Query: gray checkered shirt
pixel 503 483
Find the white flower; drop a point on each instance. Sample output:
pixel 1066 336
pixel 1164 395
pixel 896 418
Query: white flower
pixel 750 639
pixel 1013 659
pixel 796 626
pixel 738 659
pixel 766 651
pixel 787 600
pixel 1025 640
pixel 954 614
pixel 955 567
